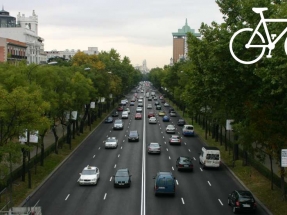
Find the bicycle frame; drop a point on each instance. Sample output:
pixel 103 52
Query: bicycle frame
pixel 270 45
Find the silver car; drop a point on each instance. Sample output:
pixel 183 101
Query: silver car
pixel 149 106
pixel 139 110
pixel 118 124
pixel 111 142
pixel 170 129
pixel 154 148
pixel 152 120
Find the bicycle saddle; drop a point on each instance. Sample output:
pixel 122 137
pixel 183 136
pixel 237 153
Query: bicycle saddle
pixel 259 9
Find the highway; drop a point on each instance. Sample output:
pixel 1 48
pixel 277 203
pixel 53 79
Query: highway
pixel 201 192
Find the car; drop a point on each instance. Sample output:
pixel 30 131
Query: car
pixel 170 109
pixel 149 98
pixel 133 99
pixel 155 98
pixel 161 113
pixel 151 114
pixel 111 142
pixel 184 163
pixel 152 120
pixel 140 100
pixel 172 114
pixel 166 104
pixel 154 148
pixel 109 119
pixel 165 118
pixel 158 107
pixel 156 103
pixel 149 106
pixel 210 157
pixel 115 114
pixel 181 122
pixel 175 139
pixel 133 136
pixel 140 104
pixel 164 183
pixel 162 101
pixel 161 97
pixel 120 108
pixel 188 130
pixel 89 176
pixel 118 124
pixel 132 103
pixel 138 116
pixel 125 115
pixel 242 201
pixel 139 110
pixel 170 129
pixel 127 109
pixel 122 178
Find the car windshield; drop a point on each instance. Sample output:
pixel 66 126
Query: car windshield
pixel 110 140
pixel 121 173
pixel 189 128
pixel 133 133
pixel 175 137
pixel 88 172
pixel 170 126
pixel 154 145
pixel 212 156
pixel 185 160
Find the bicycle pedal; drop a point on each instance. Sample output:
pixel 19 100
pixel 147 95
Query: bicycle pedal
pixel 269 56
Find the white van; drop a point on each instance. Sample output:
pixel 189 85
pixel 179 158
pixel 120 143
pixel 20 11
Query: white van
pixel 210 157
pixel 125 114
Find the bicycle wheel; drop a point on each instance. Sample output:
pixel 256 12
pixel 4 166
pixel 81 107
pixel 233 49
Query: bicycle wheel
pixel 285 45
pixel 238 50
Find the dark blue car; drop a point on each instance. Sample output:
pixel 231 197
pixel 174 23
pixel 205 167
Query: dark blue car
pixel 164 183
pixel 165 118
pixel 109 119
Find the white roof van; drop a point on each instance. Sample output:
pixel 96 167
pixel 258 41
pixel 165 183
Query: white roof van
pixel 210 157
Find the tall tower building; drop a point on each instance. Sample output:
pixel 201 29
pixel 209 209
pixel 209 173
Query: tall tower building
pixel 179 42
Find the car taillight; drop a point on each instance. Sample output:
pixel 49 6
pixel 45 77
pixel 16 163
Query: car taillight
pixel 180 165
pixel 255 205
pixel 156 187
pixel 237 203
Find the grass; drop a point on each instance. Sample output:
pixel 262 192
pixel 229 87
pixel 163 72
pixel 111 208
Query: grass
pixel 258 184
pixel 20 189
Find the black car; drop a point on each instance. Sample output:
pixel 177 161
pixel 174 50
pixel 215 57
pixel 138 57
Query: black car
pixel 122 178
pixel 181 122
pixel 115 114
pixel 184 163
pixel 158 107
pixel 170 110
pixel 133 136
pixel 242 201
pixel 156 103
pixel 109 119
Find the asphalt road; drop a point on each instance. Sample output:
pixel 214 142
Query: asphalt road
pixel 199 192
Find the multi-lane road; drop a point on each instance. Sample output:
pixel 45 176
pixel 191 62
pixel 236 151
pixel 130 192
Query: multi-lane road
pixel 201 192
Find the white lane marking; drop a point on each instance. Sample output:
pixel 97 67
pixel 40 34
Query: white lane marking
pixel 110 130
pixel 105 196
pixel 107 135
pixel 176 182
pixel 143 185
pixel 200 169
pixel 115 166
pixel 121 147
pixel 182 201
pixel 94 156
pixel 125 135
pixel 118 155
pixel 189 150
pixel 172 168
pixel 111 178
pixel 169 157
pixel 123 140
pixel 162 136
pixel 67 197
pixel 184 143
pixel 99 148
pixel 164 142
pixel 194 158
pixel 209 183
pixel 220 202
pixel 166 149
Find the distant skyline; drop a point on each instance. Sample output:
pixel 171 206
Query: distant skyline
pixel 140 30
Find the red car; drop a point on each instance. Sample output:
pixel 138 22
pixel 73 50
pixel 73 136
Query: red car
pixel 138 116
pixel 120 108
pixel 151 114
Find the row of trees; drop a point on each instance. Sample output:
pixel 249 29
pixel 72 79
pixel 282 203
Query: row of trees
pixel 37 97
pixel 213 84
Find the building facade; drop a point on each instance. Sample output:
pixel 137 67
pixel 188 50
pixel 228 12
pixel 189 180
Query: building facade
pixel 26 31
pixel 12 50
pixel 68 54
pixel 180 47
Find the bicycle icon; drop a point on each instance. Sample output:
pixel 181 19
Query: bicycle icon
pixel 257 36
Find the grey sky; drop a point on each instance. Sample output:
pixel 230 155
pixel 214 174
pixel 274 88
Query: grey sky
pixel 135 28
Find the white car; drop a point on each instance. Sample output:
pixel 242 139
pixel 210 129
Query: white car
pixel 149 106
pixel 128 110
pixel 111 142
pixel 139 110
pixel 166 105
pixel 170 129
pixel 140 101
pixel 152 120
pixel 125 115
pixel 89 176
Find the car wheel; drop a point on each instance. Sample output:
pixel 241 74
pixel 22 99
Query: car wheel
pixel 234 210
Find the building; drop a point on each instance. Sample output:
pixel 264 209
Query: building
pixel 68 54
pixel 142 68
pixel 12 50
pixel 24 30
pixel 180 42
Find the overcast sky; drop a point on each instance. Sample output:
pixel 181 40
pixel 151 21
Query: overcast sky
pixel 138 29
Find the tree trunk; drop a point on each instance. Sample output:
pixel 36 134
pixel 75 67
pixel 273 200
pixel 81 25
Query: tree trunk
pixel 56 138
pixel 271 170
pixel 282 176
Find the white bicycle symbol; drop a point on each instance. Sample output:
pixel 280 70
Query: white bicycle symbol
pixel 270 45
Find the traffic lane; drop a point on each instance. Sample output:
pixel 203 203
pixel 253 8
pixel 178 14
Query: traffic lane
pixel 130 157
pixel 59 186
pixel 154 163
